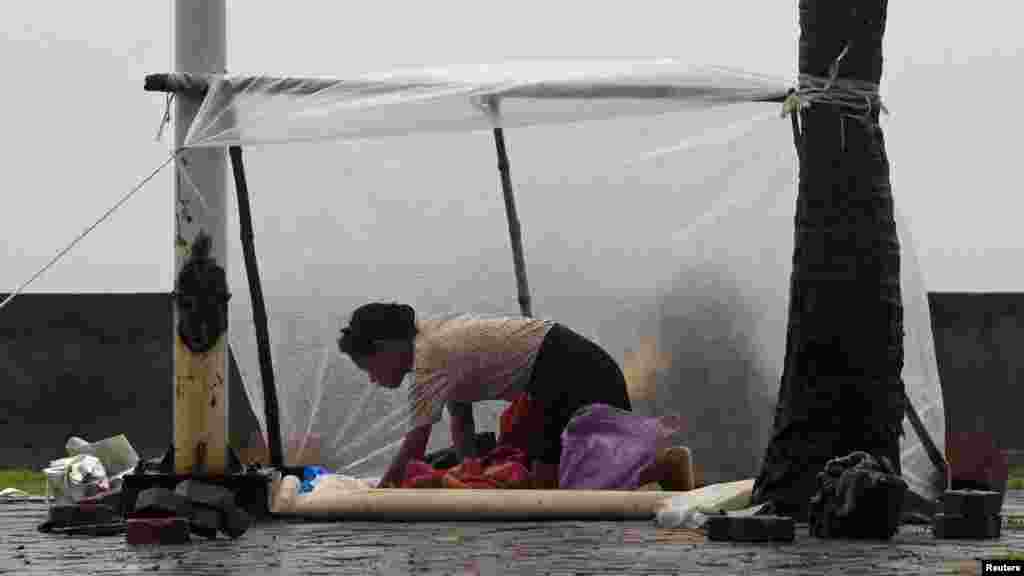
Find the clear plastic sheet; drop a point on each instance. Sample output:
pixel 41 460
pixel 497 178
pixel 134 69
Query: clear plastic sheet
pixel 672 233
pixel 272 110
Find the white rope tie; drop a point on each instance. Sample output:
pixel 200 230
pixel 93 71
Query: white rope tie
pixel 166 119
pixel 182 167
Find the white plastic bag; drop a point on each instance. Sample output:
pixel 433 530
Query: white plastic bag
pixel 74 478
pixel 339 482
pixel 116 453
pixel 686 517
pixel 285 497
pixel 89 469
pixel 689 509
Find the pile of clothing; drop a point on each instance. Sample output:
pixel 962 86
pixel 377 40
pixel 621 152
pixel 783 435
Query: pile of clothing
pixel 603 448
pixel 506 466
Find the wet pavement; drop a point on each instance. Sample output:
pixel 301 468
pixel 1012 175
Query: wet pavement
pixel 485 548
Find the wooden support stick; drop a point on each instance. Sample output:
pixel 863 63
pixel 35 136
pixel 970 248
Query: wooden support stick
pixel 934 454
pixel 259 310
pixel 514 230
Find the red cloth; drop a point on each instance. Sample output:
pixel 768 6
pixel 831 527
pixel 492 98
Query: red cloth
pixel 503 467
pixel 519 422
pixel 507 466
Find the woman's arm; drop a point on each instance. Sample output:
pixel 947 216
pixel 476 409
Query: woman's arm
pixel 413 446
pixel 463 429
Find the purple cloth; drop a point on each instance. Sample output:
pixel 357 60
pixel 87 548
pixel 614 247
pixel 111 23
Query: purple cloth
pixel 605 448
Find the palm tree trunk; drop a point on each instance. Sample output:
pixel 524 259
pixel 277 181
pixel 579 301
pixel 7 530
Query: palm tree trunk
pixel 841 387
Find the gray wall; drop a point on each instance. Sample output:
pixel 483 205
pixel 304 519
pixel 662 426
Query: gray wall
pixel 978 340
pixel 91 365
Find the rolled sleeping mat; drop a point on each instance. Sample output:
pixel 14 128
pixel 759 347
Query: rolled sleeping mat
pixel 341 502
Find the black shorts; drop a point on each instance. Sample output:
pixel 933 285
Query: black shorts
pixel 570 372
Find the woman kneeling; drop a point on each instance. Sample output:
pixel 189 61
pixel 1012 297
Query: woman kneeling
pixel 462 359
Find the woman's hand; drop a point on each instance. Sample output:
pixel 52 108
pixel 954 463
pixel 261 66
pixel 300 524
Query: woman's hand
pixel 413 446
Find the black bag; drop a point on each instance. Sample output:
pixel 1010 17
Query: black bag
pixel 858 497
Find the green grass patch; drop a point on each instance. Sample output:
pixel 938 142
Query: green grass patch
pixel 1013 555
pixel 27 480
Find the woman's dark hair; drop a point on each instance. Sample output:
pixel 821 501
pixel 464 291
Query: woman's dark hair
pixel 376 321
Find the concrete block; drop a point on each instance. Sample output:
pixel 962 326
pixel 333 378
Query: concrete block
pixel 205 521
pixel 83 514
pixel 235 524
pixel 158 531
pixel 945 526
pixel 751 528
pixel 233 521
pixel 161 501
pixel 972 503
pixel 208 495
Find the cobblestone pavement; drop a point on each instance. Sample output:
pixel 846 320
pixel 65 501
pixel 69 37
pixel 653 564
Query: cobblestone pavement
pixel 485 548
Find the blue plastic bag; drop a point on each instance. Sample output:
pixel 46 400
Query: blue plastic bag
pixel 606 448
pixel 310 475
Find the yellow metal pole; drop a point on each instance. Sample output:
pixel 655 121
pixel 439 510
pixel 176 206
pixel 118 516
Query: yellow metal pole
pixel 200 311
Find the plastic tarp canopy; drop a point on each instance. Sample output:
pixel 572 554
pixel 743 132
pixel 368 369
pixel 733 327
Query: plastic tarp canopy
pixel 657 204
pixel 259 110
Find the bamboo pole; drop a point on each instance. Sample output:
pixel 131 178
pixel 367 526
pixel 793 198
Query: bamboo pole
pixel 197 84
pixel 178 83
pixel 514 229
pixel 259 309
